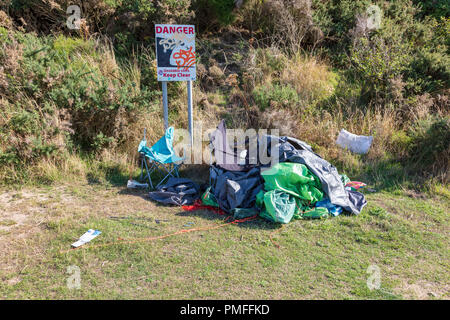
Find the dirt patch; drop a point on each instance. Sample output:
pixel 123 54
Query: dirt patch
pixel 422 290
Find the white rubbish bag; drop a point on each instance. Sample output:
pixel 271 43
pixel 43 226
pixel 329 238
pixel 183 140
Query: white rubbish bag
pixel 353 142
pixel 133 184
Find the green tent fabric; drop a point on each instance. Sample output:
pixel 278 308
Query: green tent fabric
pixel 294 179
pixel 290 192
pixel 279 206
pixel 241 213
pixel 344 179
pixel 209 199
pixel 316 213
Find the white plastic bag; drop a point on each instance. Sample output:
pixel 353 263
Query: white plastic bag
pixel 133 184
pixel 353 142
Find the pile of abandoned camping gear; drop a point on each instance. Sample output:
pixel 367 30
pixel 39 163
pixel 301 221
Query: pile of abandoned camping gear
pixel 300 185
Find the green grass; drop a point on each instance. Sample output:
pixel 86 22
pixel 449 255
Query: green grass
pixel 405 236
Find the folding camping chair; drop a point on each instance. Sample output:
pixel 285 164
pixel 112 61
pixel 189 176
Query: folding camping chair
pixel 160 156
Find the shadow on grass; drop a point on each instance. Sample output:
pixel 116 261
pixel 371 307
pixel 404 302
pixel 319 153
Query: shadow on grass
pixel 258 223
pixel 202 213
pixel 113 174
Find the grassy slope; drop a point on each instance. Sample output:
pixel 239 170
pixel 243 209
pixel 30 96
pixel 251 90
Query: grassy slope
pixel 404 233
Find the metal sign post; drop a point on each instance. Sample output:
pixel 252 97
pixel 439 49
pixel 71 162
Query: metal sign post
pixel 190 113
pixel 176 61
pixel 165 105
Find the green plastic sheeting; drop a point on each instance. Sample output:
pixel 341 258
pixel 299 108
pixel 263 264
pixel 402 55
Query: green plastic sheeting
pixel 279 206
pixel 295 179
pixel 208 198
pixel 345 179
pixel 316 213
pixel 241 213
pixel 290 192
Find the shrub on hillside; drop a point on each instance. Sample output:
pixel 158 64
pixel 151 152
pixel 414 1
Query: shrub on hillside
pixel 415 51
pixel 313 80
pixel 429 146
pixel 275 96
pixel 217 12
pixel 287 24
pixel 46 80
pixel 128 21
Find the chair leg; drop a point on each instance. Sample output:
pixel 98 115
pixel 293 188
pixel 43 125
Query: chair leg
pixel 168 175
pixel 176 167
pixel 171 172
pixel 142 168
pixel 148 173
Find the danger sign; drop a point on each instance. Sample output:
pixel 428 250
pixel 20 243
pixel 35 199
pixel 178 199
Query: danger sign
pixel 175 52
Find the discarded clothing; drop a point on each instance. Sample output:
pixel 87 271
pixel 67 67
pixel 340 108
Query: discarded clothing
pixel 235 189
pixel 177 191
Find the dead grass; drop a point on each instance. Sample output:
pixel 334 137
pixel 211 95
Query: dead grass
pixel 312 79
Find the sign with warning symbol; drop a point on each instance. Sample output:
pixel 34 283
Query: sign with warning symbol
pixel 175 52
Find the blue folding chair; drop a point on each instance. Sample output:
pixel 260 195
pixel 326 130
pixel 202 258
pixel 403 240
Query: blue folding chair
pixel 160 156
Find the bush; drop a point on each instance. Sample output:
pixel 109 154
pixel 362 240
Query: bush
pixel 275 96
pixel 429 148
pixel 218 12
pixel 128 22
pixel 287 24
pixel 436 8
pixel 313 80
pixel 404 48
pixel 65 94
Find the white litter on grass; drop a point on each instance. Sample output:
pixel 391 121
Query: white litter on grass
pixel 133 184
pixel 85 238
pixel 353 142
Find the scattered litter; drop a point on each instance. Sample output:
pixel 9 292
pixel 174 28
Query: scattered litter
pixel 332 209
pixel 85 238
pixel 179 232
pixel 133 184
pixel 198 205
pixel 189 224
pixel 355 185
pixel 353 142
